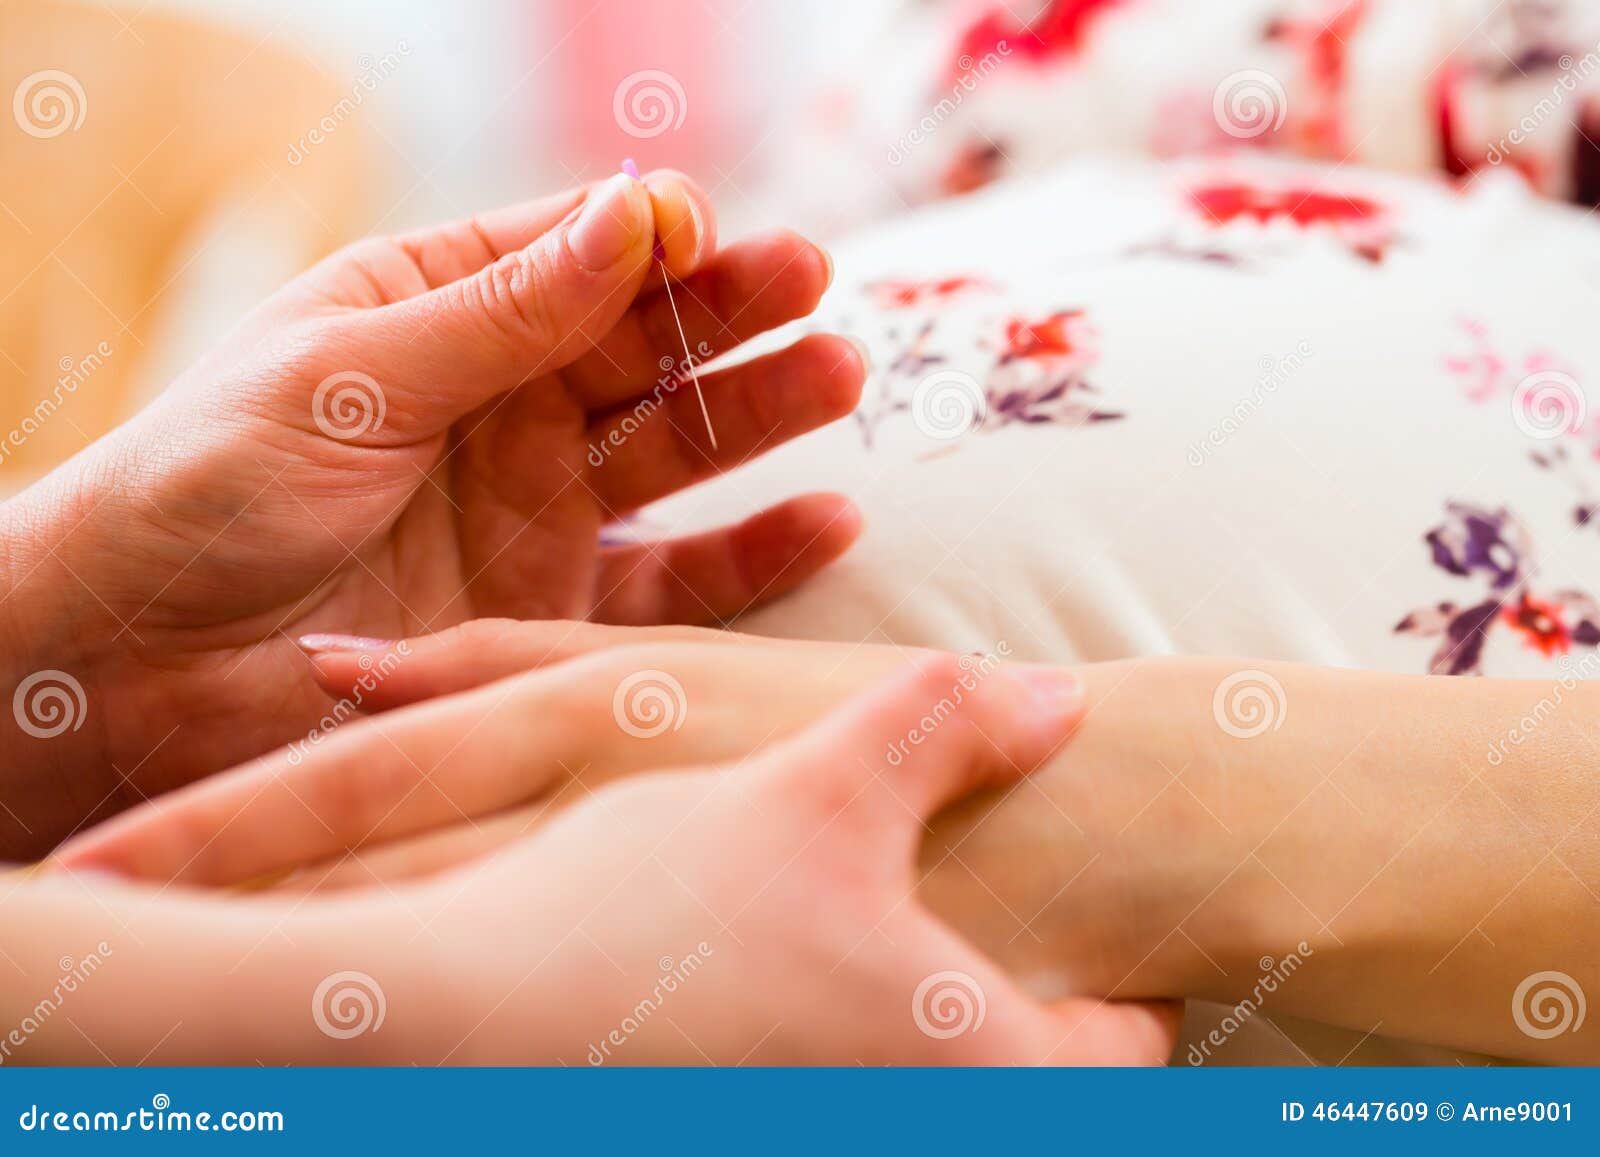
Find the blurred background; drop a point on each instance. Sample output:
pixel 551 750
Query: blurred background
pixel 167 163
pixel 172 162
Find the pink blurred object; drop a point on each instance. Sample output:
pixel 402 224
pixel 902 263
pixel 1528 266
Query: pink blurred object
pixel 662 83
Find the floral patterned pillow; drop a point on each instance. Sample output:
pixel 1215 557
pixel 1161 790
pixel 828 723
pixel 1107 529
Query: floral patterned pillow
pixel 954 94
pixel 1233 406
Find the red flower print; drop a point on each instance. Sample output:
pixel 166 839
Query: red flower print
pixel 1058 336
pixel 1541 624
pixel 1359 221
pixel 1061 30
pixel 1305 207
pixel 910 294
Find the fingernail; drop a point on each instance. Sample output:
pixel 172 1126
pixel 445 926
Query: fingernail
pixel 1054 688
pixel 607 227
pixel 827 261
pixel 322 644
pixel 861 348
pixel 697 223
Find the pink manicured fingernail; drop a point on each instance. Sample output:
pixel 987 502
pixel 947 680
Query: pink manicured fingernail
pixel 607 227
pixel 698 224
pixel 1055 688
pixel 321 644
pixel 827 259
pixel 861 348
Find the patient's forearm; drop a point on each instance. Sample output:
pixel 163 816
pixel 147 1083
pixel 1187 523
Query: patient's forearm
pixel 1432 843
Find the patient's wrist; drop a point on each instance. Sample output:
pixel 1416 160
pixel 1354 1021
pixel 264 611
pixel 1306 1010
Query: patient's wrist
pixel 1140 862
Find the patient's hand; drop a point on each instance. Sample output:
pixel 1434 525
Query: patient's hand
pixel 774 893
pixel 421 430
pixel 484 733
pixel 1159 853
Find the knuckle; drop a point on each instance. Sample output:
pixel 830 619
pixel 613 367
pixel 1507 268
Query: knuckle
pixel 355 801
pixel 933 679
pixel 511 296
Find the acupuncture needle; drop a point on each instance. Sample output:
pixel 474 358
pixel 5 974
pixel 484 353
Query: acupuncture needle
pixel 659 252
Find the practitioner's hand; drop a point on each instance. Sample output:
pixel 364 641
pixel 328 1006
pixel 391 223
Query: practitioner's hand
pixel 766 913
pixel 422 429
pixel 484 733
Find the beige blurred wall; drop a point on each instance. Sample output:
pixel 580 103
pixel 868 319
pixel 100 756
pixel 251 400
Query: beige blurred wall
pixel 125 140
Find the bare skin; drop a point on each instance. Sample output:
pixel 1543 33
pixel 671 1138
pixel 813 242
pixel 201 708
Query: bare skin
pixel 420 430
pixel 1427 865
pixel 772 898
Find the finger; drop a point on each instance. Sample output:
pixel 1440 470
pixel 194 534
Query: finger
pixel 657 448
pixel 532 311
pixel 968 1011
pixel 458 249
pixel 685 228
pixel 552 734
pixel 399 861
pixel 1085 1031
pixel 469 655
pixel 715 576
pixel 955 725
pixel 745 290
pixel 448 761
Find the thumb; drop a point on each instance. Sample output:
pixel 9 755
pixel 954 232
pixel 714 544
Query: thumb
pixel 1085 1031
pixel 532 311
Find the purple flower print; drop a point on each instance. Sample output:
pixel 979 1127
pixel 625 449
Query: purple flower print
pixel 1463 631
pixel 1036 372
pixel 1473 540
pixel 1494 546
